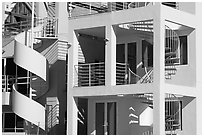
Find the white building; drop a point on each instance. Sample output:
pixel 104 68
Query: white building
pixel 132 68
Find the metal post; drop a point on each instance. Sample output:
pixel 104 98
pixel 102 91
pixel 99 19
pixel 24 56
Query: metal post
pixel 89 74
pixel 16 77
pixel 38 129
pixel 31 46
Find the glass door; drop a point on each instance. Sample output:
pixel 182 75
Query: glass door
pixel 105 118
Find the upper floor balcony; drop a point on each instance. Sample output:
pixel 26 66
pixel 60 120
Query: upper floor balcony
pixel 134 53
pixel 77 9
pixel 42 27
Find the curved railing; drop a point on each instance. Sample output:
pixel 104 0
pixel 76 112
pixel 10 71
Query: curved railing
pixel 49 27
pixel 28 109
pixel 90 74
pixel 76 9
pixel 172 52
pixel 37 64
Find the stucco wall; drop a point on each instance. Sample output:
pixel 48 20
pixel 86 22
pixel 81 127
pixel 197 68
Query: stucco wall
pixel 186 74
pixel 93 50
pixel 126 122
pixel 188 117
pixel 57 88
pixel 187 7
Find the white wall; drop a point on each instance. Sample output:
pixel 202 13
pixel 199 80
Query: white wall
pixel 187 7
pixel 41 10
pixel 92 50
pixel 188 117
pixel 186 74
pixel 126 107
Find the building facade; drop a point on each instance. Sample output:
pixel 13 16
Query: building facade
pixel 104 68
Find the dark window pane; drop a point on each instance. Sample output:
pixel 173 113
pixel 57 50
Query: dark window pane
pixel 9 120
pixel 99 118
pixel 111 118
pixel 183 50
pixel 19 122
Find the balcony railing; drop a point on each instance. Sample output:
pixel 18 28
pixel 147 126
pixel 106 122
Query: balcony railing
pixel 87 8
pixel 92 74
pixel 124 75
pixel 52 116
pixel 43 27
pixel 7 81
pixel 46 27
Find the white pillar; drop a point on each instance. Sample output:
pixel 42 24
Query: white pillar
pixel 71 104
pixel 159 58
pixel 72 115
pixel 198 56
pixel 62 16
pixel 110 57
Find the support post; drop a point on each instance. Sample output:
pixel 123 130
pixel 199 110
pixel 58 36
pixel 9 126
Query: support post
pixel 159 77
pixel 198 56
pixel 72 115
pixel 110 57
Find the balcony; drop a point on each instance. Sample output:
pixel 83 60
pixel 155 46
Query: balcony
pixel 43 27
pixel 91 74
pixel 76 9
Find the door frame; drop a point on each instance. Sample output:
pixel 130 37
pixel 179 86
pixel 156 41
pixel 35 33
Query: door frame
pixel 105 111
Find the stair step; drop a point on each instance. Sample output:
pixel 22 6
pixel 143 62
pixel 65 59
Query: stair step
pixel 172 59
pixel 170 120
pixel 170 69
pixel 170 64
pixel 176 125
pixel 167 54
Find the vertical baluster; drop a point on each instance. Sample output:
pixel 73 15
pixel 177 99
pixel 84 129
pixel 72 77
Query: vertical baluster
pixel 89 74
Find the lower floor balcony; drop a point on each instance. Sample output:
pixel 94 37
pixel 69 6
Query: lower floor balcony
pixel 93 74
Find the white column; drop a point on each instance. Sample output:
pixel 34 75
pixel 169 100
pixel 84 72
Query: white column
pixel 198 56
pixel 71 104
pixel 63 21
pixel 110 57
pixel 72 115
pixel 159 58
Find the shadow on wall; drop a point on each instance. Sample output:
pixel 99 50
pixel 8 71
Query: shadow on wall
pixel 144 119
pixel 134 117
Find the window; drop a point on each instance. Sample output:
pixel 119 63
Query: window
pixel 147 54
pixel 183 50
pixel 173 115
pixel 12 123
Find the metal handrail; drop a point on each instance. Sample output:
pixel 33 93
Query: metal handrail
pixel 90 74
pixel 90 8
pixel 8 29
pixel 147 76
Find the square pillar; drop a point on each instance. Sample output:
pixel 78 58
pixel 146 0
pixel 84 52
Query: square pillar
pixel 72 112
pixel 159 73
pixel 72 115
pixel 198 56
pixel 72 57
pixel 110 57
pixel 62 16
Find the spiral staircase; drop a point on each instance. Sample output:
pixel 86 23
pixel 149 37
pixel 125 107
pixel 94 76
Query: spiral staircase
pixel 26 106
pixel 144 30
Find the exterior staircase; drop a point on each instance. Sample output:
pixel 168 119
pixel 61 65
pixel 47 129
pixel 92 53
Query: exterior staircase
pixel 172 48
pixel 172 111
pixel 27 58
